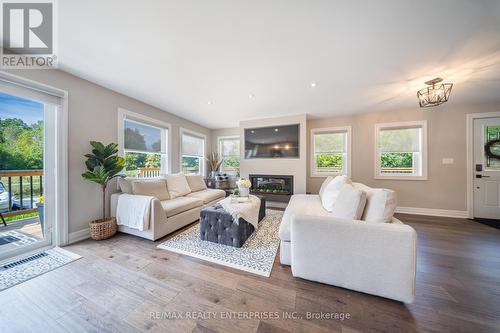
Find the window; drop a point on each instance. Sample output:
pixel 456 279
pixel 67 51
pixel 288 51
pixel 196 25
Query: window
pixel 192 153
pixel 331 149
pixel 144 144
pixel 401 150
pixel 229 150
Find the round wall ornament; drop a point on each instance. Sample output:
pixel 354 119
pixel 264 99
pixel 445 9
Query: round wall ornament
pixel 492 149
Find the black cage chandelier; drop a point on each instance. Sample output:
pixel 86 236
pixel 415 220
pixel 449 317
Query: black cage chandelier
pixel 435 94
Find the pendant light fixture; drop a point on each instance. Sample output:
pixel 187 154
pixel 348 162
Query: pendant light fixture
pixel 435 94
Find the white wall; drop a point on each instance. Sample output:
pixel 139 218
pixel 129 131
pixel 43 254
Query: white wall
pixel 93 112
pixel 297 167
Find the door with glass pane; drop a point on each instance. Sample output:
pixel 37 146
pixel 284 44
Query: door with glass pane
pixel 27 153
pixel 487 168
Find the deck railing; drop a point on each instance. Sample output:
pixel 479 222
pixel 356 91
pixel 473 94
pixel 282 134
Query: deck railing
pixel 149 172
pixel 24 189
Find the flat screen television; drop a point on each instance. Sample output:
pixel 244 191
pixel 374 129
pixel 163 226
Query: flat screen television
pixel 272 142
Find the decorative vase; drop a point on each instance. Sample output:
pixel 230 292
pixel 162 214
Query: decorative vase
pixel 244 191
pixel 213 174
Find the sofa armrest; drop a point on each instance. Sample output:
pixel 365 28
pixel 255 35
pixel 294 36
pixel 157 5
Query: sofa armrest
pixel 376 258
pixel 157 214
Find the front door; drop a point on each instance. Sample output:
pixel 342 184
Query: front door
pixel 487 168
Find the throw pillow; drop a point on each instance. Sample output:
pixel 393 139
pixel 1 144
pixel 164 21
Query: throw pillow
pixel 154 188
pixel 125 185
pixel 332 190
pixel 196 183
pixel 380 205
pixel 323 186
pixel 350 203
pixel 177 185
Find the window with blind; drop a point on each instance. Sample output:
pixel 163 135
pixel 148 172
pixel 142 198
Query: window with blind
pixel 229 150
pixel 144 146
pixel 192 153
pixel 331 151
pixel 401 150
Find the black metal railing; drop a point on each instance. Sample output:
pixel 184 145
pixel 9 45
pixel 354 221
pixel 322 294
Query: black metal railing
pixel 24 189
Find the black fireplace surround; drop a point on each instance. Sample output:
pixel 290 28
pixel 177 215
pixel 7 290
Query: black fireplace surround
pixel 272 187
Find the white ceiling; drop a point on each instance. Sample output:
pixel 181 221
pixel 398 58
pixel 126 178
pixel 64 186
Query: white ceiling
pixel 364 55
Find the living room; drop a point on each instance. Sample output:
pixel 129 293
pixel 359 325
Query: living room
pixel 250 166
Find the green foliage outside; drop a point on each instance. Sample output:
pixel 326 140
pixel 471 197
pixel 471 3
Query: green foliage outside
pixel 232 164
pixel 190 165
pixel 396 160
pixel 133 161
pixel 329 161
pixel 21 145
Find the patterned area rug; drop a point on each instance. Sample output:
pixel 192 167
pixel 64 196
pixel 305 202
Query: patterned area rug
pixel 255 256
pixel 25 269
pixel 16 238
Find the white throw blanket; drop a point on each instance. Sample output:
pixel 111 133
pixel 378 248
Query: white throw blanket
pixel 247 210
pixel 133 211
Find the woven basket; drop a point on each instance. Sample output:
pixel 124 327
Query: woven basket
pixel 100 229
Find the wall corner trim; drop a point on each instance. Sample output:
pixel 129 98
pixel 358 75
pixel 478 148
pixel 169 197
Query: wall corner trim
pixel 462 214
pixel 79 235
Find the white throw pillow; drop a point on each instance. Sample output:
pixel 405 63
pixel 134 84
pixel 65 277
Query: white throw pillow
pixel 350 203
pixel 177 185
pixel 332 190
pixel 196 183
pixel 323 186
pixel 125 184
pixel 380 204
pixel 154 188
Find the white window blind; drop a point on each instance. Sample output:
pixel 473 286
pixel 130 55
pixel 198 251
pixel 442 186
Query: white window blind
pixel 330 143
pixel 400 140
pixel 143 138
pixel 192 145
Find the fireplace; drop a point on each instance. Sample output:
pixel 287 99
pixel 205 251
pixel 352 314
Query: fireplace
pixel 273 187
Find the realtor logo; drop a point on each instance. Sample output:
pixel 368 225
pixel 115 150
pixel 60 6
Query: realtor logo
pixel 28 35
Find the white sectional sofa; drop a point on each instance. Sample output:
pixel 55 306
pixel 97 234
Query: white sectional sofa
pixel 181 207
pixel 368 254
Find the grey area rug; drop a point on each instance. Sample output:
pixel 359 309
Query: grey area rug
pixel 255 256
pixel 21 270
pixel 16 238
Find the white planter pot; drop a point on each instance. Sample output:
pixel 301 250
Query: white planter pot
pixel 244 192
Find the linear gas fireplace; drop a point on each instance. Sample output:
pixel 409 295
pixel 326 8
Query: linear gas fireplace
pixel 273 187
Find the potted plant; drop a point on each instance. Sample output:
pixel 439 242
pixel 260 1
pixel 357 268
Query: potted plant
pixel 103 164
pixel 244 187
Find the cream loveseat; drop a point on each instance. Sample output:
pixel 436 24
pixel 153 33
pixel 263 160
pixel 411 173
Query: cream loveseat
pixel 374 253
pixel 178 205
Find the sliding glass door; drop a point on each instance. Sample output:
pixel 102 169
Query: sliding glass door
pixel 28 168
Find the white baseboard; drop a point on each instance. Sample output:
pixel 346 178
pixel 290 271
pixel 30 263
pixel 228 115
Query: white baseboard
pixel 78 235
pixel 433 212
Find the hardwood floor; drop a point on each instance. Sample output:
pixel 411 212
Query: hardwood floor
pixel 122 283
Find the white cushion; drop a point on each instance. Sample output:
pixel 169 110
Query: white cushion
pixel 380 204
pixel 154 188
pixel 208 195
pixel 179 205
pixel 323 186
pixel 196 183
pixel 177 185
pixel 350 203
pixel 332 190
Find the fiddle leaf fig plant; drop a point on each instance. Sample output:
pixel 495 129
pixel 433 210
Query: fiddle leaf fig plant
pixel 103 164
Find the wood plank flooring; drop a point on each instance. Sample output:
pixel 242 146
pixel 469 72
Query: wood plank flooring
pixel 125 284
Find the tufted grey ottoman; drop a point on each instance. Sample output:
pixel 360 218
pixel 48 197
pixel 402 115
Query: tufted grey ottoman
pixel 217 225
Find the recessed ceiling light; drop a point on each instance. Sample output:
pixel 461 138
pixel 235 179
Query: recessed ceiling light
pixel 313 84
pixel 210 103
pixel 276 130
pixel 251 96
